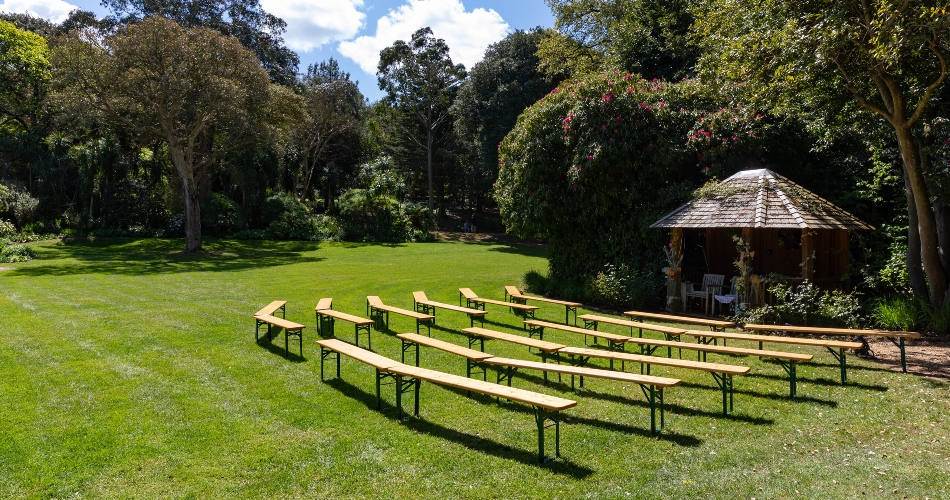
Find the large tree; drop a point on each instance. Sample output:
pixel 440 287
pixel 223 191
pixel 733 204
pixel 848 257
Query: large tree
pixel 887 57
pixel 647 37
pixel 420 80
pixel 497 90
pixel 198 91
pixel 259 31
pixel 333 110
pixel 24 76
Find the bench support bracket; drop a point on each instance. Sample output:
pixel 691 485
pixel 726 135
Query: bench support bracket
pixel 542 417
pixel 840 356
pixel 724 381
pixel 655 398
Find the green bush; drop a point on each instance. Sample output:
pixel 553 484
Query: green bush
pixel 806 305
pixel 620 287
pixel 897 313
pixel 220 216
pixel 252 234
pixel 17 253
pixel 131 204
pixel 369 217
pixel 937 319
pixel 7 230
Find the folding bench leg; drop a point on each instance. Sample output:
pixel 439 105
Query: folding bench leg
pixel 655 397
pixel 790 369
pixel 840 356
pixel 324 354
pixel 404 385
pixel 724 381
pixel 541 417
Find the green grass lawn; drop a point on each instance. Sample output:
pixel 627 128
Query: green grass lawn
pixel 129 369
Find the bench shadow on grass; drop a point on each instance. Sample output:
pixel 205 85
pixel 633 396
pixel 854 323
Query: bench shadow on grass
pixel 822 380
pixel 278 350
pixel 477 443
pixel 158 256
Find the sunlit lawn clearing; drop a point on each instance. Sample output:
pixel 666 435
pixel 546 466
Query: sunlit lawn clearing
pixel 129 369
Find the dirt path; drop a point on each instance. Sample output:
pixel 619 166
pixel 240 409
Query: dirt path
pixel 928 357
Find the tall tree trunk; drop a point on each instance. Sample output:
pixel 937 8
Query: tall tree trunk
pixel 915 271
pixel 429 166
pixel 190 192
pixel 936 278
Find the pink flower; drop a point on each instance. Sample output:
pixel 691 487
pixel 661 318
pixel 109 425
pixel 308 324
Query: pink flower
pixel 735 138
pixel 574 186
pixel 604 127
pixel 662 103
pixel 627 76
pixel 590 157
pixel 606 97
pixel 618 119
pixel 758 115
pixel 656 80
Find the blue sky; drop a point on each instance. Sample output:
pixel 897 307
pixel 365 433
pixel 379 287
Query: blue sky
pixel 354 31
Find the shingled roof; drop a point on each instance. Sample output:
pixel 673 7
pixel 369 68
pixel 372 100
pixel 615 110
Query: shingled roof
pixel 759 199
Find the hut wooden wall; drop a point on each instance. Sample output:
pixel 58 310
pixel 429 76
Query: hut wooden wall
pixel 830 263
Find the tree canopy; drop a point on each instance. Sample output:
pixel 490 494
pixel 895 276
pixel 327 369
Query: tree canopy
pixel 888 57
pixel 420 80
pixel 24 75
pixel 201 93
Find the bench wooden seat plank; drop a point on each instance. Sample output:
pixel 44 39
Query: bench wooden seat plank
pixel 326 321
pixel 512 294
pixel 713 324
pixel 290 329
pixel 591 320
pixel 476 333
pixel 420 301
pixel 810 330
pixel 379 312
pixel 473 300
pixel 273 307
pixel 615 342
pixel 838 344
pixel 722 374
pixel 788 360
pixel 895 337
pixel 652 386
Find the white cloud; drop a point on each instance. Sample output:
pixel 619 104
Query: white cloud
pixel 55 10
pixel 312 23
pixel 467 34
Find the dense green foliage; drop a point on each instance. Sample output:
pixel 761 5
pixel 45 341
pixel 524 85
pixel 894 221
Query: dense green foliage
pixel 24 76
pixel 807 305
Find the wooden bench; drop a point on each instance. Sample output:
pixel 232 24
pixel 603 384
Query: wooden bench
pixel 422 304
pixel 379 312
pixel 615 342
pixel 514 295
pixel 788 360
pixel 651 386
pixel 896 338
pixel 671 333
pixel 713 324
pixel 473 358
pixel 476 334
pixel 407 378
pixel 263 317
pixel 831 345
pixel 473 300
pixel 326 321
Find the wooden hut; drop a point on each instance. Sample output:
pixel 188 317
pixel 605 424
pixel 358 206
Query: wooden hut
pixel 793 232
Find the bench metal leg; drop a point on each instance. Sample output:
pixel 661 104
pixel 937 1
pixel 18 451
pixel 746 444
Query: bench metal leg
pixel 506 373
pixel 655 397
pixel 369 339
pixel 287 334
pixel 903 356
pixel 406 346
pixel 536 330
pixel 324 354
pixel 567 315
pixel 724 381
pixel 404 385
pixel 541 417
pixel 840 356
pixel 789 368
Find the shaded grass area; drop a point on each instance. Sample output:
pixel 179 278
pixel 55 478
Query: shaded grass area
pixel 129 370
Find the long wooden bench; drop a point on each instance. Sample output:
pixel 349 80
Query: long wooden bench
pixel 651 386
pixel 473 358
pixel 671 333
pixel 831 345
pixel 408 378
pixel 476 334
pixel 422 304
pixel 290 329
pixel 379 312
pixel 473 300
pixel 615 342
pixel 512 294
pixel 326 321
pixel 713 324
pixel 721 373
pixel 896 338
pixel 788 360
